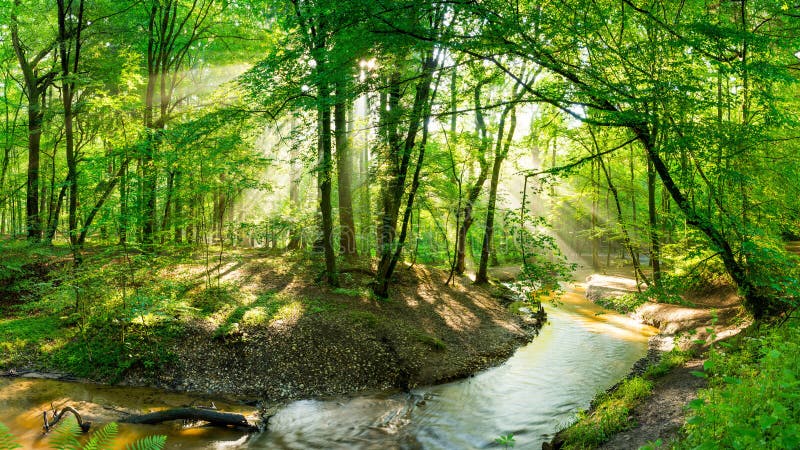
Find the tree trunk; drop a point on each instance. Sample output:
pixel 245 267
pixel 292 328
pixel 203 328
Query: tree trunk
pixel 500 155
pixel 324 181
pixel 70 59
pixel 474 190
pixel 216 418
pixel 655 243
pixel 420 110
pixel 755 301
pixel 344 166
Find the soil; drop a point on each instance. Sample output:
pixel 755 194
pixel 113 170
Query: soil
pixel 425 333
pixel 664 412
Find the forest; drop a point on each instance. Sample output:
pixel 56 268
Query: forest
pixel 179 178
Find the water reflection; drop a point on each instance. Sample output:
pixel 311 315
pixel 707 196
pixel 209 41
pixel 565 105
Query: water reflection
pixel 582 350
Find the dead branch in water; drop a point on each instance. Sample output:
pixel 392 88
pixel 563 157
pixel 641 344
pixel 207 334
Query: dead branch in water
pixel 215 418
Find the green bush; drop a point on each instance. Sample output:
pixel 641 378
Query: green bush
pixel 753 397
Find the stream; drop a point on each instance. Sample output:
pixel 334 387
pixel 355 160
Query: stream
pixel 582 350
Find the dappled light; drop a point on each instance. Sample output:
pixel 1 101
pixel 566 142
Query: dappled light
pixel 399 224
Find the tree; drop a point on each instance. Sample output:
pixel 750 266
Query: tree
pixel 635 76
pixel 35 81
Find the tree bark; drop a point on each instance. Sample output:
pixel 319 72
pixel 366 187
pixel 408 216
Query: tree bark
pixel 70 60
pixel 344 166
pixel 501 153
pixel 391 250
pixel 211 416
pixel 34 86
pixel 652 214
pixel 475 190
pixel 324 179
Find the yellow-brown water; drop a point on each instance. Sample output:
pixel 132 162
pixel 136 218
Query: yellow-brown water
pixel 582 350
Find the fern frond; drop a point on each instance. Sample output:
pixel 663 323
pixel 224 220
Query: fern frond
pixel 7 441
pixel 65 436
pixel 102 438
pixel 148 443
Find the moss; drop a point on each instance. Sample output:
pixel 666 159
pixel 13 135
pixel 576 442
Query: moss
pixel 364 317
pixel 431 341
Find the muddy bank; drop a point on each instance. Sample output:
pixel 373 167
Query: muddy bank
pixel 718 308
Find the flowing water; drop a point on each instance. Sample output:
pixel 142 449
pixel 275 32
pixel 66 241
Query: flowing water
pixel 582 350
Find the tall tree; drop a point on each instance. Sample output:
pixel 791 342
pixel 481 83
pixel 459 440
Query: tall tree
pixel 35 80
pixel 501 149
pixel 174 29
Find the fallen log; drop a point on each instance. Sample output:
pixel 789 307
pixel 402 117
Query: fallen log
pixel 49 424
pixel 216 418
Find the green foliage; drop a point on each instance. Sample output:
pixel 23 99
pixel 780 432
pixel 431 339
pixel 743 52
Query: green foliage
pixel 753 394
pixel 609 416
pixel 623 303
pixel 7 441
pixel 668 361
pixel 66 434
pixel 148 443
pixel 506 440
pixel 103 438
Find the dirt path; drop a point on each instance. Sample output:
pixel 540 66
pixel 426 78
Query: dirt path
pixel 664 412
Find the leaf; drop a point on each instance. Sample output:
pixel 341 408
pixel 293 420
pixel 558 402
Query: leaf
pixel 697 403
pixel 65 436
pixel 699 374
pixel 709 365
pixel 7 441
pixel 102 438
pixel 766 421
pixel 148 443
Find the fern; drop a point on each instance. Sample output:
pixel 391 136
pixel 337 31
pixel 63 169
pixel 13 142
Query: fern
pixel 102 438
pixel 7 441
pixel 148 443
pixel 65 436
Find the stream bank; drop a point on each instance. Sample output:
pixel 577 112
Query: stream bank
pixel 674 356
pixel 264 328
pixel 581 350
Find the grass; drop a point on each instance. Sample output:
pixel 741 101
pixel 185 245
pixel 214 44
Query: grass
pixel 27 336
pixel 623 304
pixel 610 415
pixel 611 411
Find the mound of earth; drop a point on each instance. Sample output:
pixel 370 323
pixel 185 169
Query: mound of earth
pixel 341 341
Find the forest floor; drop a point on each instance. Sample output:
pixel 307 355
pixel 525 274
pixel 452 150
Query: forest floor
pixel 255 325
pixel 703 317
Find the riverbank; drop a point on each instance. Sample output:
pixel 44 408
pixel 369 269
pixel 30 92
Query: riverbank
pixel 255 325
pixel 650 405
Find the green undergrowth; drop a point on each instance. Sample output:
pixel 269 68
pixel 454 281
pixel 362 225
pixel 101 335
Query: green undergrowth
pixel 123 309
pixel 753 394
pixel 611 410
pixel 623 304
